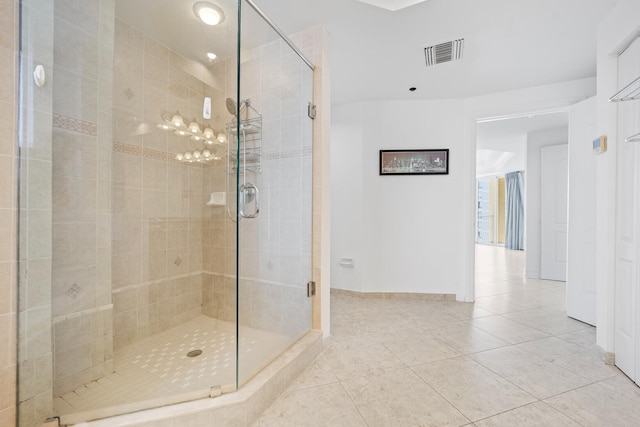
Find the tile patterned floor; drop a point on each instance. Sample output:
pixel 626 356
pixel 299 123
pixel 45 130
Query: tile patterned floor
pixel 158 366
pixel 513 358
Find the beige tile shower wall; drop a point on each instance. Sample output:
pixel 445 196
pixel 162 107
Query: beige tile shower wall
pixel 219 234
pixel 159 205
pixel 8 209
pixel 81 309
pixel 219 246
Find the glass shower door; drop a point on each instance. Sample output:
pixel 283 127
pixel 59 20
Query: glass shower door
pixel 275 170
pixel 127 258
pixel 145 280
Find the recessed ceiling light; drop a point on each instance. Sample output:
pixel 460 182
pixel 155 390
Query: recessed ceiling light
pixel 211 56
pixel 392 5
pixel 208 13
pixel 412 89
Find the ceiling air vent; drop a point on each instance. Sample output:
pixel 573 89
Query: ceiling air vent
pixel 444 52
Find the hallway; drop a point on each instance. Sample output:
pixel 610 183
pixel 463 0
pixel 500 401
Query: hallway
pixel 512 358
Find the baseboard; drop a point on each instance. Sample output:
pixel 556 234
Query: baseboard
pixel 396 295
pixel 609 359
pixel 532 274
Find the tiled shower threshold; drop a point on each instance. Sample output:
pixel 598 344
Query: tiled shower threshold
pixel 241 407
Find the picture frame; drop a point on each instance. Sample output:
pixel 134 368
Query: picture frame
pixel 414 162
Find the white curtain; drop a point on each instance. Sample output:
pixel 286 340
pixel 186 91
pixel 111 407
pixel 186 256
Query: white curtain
pixel 514 233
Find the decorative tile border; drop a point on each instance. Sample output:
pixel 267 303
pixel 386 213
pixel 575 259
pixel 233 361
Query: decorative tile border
pixel 287 153
pixel 75 125
pixel 154 282
pixel 136 150
pixel 158 155
pixel 64 317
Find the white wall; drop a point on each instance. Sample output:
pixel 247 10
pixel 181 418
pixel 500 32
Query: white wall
pixel 346 196
pixel 403 231
pixel 615 32
pixel 532 185
pixel 416 233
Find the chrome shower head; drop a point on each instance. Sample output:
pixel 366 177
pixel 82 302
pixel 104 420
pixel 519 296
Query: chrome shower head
pixel 232 107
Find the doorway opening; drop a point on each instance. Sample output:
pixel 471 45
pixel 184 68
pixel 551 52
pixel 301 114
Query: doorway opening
pixel 507 145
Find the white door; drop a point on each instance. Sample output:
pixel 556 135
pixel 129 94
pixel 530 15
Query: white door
pixel 627 303
pixel 581 238
pixel 553 212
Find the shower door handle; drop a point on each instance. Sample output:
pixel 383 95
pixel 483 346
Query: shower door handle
pixel 249 193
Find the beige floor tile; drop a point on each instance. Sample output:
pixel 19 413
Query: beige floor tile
pixel 497 304
pixel 536 376
pixel 539 298
pixel 397 334
pixel 466 338
pixel 357 357
pixel 313 376
pixel 381 321
pixel 507 329
pixel 621 384
pixel 597 405
pixel 422 306
pixel 357 304
pixel 432 318
pixel 575 358
pixel 585 338
pixel 322 406
pixel 473 389
pixel 374 339
pixel 534 415
pixel 417 349
pixel 343 325
pixel 463 311
pixel 401 398
pixel 550 321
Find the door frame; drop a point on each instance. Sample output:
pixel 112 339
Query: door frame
pixel 526 102
pixel 467 292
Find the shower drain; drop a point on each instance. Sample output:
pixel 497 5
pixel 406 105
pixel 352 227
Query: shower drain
pixel 194 353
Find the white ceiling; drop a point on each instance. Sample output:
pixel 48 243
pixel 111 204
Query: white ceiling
pixel 392 4
pixel 378 54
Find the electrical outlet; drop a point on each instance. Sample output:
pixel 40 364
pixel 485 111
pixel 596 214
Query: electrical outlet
pixel 347 262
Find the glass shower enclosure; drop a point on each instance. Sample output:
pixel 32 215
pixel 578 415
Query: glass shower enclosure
pixel 165 203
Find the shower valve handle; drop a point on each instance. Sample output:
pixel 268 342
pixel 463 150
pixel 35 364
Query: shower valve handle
pixel 249 192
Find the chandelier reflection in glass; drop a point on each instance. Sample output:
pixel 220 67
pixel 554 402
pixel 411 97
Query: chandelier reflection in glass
pixel 195 132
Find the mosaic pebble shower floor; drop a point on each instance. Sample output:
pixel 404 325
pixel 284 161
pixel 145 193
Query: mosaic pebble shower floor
pixel 159 367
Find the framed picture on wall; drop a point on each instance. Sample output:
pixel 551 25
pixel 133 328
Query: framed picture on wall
pixel 414 162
